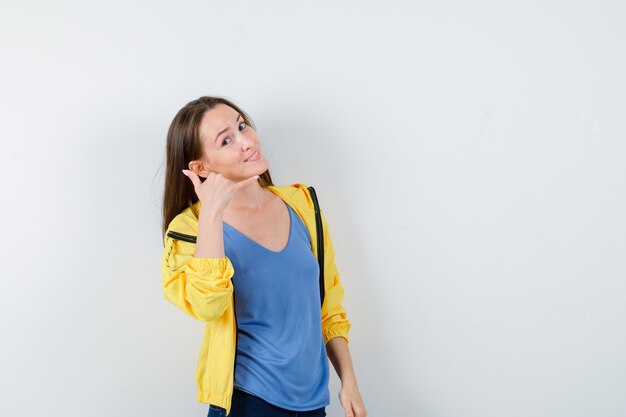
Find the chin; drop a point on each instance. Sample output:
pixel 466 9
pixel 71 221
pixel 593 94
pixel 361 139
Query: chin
pixel 267 166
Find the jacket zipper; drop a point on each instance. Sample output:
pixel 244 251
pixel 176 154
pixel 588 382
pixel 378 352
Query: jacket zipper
pixel 236 337
pixel 320 241
pixel 182 236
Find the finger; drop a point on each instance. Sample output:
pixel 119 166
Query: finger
pixel 246 182
pixel 347 406
pixel 193 177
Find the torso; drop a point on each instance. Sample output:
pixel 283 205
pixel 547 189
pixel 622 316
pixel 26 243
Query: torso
pixel 283 361
pixel 269 227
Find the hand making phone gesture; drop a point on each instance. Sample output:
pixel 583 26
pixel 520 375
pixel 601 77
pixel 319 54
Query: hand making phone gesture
pixel 215 193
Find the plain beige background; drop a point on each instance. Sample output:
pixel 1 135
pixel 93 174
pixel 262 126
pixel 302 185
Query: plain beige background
pixel 469 157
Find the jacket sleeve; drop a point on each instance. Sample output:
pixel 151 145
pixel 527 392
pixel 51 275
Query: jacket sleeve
pixel 334 318
pixel 201 287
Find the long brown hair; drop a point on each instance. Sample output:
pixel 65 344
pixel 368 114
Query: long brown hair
pixel 183 146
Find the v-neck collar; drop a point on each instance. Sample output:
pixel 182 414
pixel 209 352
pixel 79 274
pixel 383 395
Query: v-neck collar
pixel 258 244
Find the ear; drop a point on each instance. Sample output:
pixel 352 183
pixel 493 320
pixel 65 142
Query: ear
pixel 201 168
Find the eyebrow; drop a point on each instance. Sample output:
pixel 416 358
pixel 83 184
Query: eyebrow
pixel 220 134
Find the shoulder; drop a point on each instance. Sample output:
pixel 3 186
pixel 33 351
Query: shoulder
pixel 297 193
pixel 185 222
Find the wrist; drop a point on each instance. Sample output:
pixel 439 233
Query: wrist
pixel 349 383
pixel 211 215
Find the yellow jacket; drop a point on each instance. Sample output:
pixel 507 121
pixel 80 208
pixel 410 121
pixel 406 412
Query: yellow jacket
pixel 202 288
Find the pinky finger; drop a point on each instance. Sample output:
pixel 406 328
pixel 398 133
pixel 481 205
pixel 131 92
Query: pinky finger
pixel 245 182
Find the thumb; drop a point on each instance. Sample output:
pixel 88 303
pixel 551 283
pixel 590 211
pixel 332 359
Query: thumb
pixel 193 177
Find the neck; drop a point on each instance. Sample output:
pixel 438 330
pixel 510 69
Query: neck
pixel 249 198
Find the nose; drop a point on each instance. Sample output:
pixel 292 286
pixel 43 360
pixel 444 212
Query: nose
pixel 244 141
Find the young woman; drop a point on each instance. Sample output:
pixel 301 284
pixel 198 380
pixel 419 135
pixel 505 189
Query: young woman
pixel 241 255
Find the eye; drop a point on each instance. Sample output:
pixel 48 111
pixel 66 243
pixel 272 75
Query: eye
pixel 240 128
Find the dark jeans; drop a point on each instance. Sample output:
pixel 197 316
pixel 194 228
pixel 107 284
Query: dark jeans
pixel 248 405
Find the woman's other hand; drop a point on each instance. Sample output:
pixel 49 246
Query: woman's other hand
pixel 351 401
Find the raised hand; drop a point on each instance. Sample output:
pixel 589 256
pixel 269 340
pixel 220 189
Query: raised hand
pixel 216 191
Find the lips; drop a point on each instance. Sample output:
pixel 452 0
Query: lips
pixel 255 156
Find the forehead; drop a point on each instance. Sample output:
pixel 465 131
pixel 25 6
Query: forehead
pixel 217 119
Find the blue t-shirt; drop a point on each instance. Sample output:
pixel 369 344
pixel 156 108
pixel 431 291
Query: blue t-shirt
pixel 281 356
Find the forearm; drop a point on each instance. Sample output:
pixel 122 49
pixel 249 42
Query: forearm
pixel 339 355
pixel 210 240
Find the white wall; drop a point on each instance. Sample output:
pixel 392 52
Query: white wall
pixel 469 157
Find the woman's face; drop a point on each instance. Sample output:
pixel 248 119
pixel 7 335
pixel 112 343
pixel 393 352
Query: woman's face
pixel 227 143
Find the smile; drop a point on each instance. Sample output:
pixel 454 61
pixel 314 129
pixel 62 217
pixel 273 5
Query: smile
pixel 255 157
